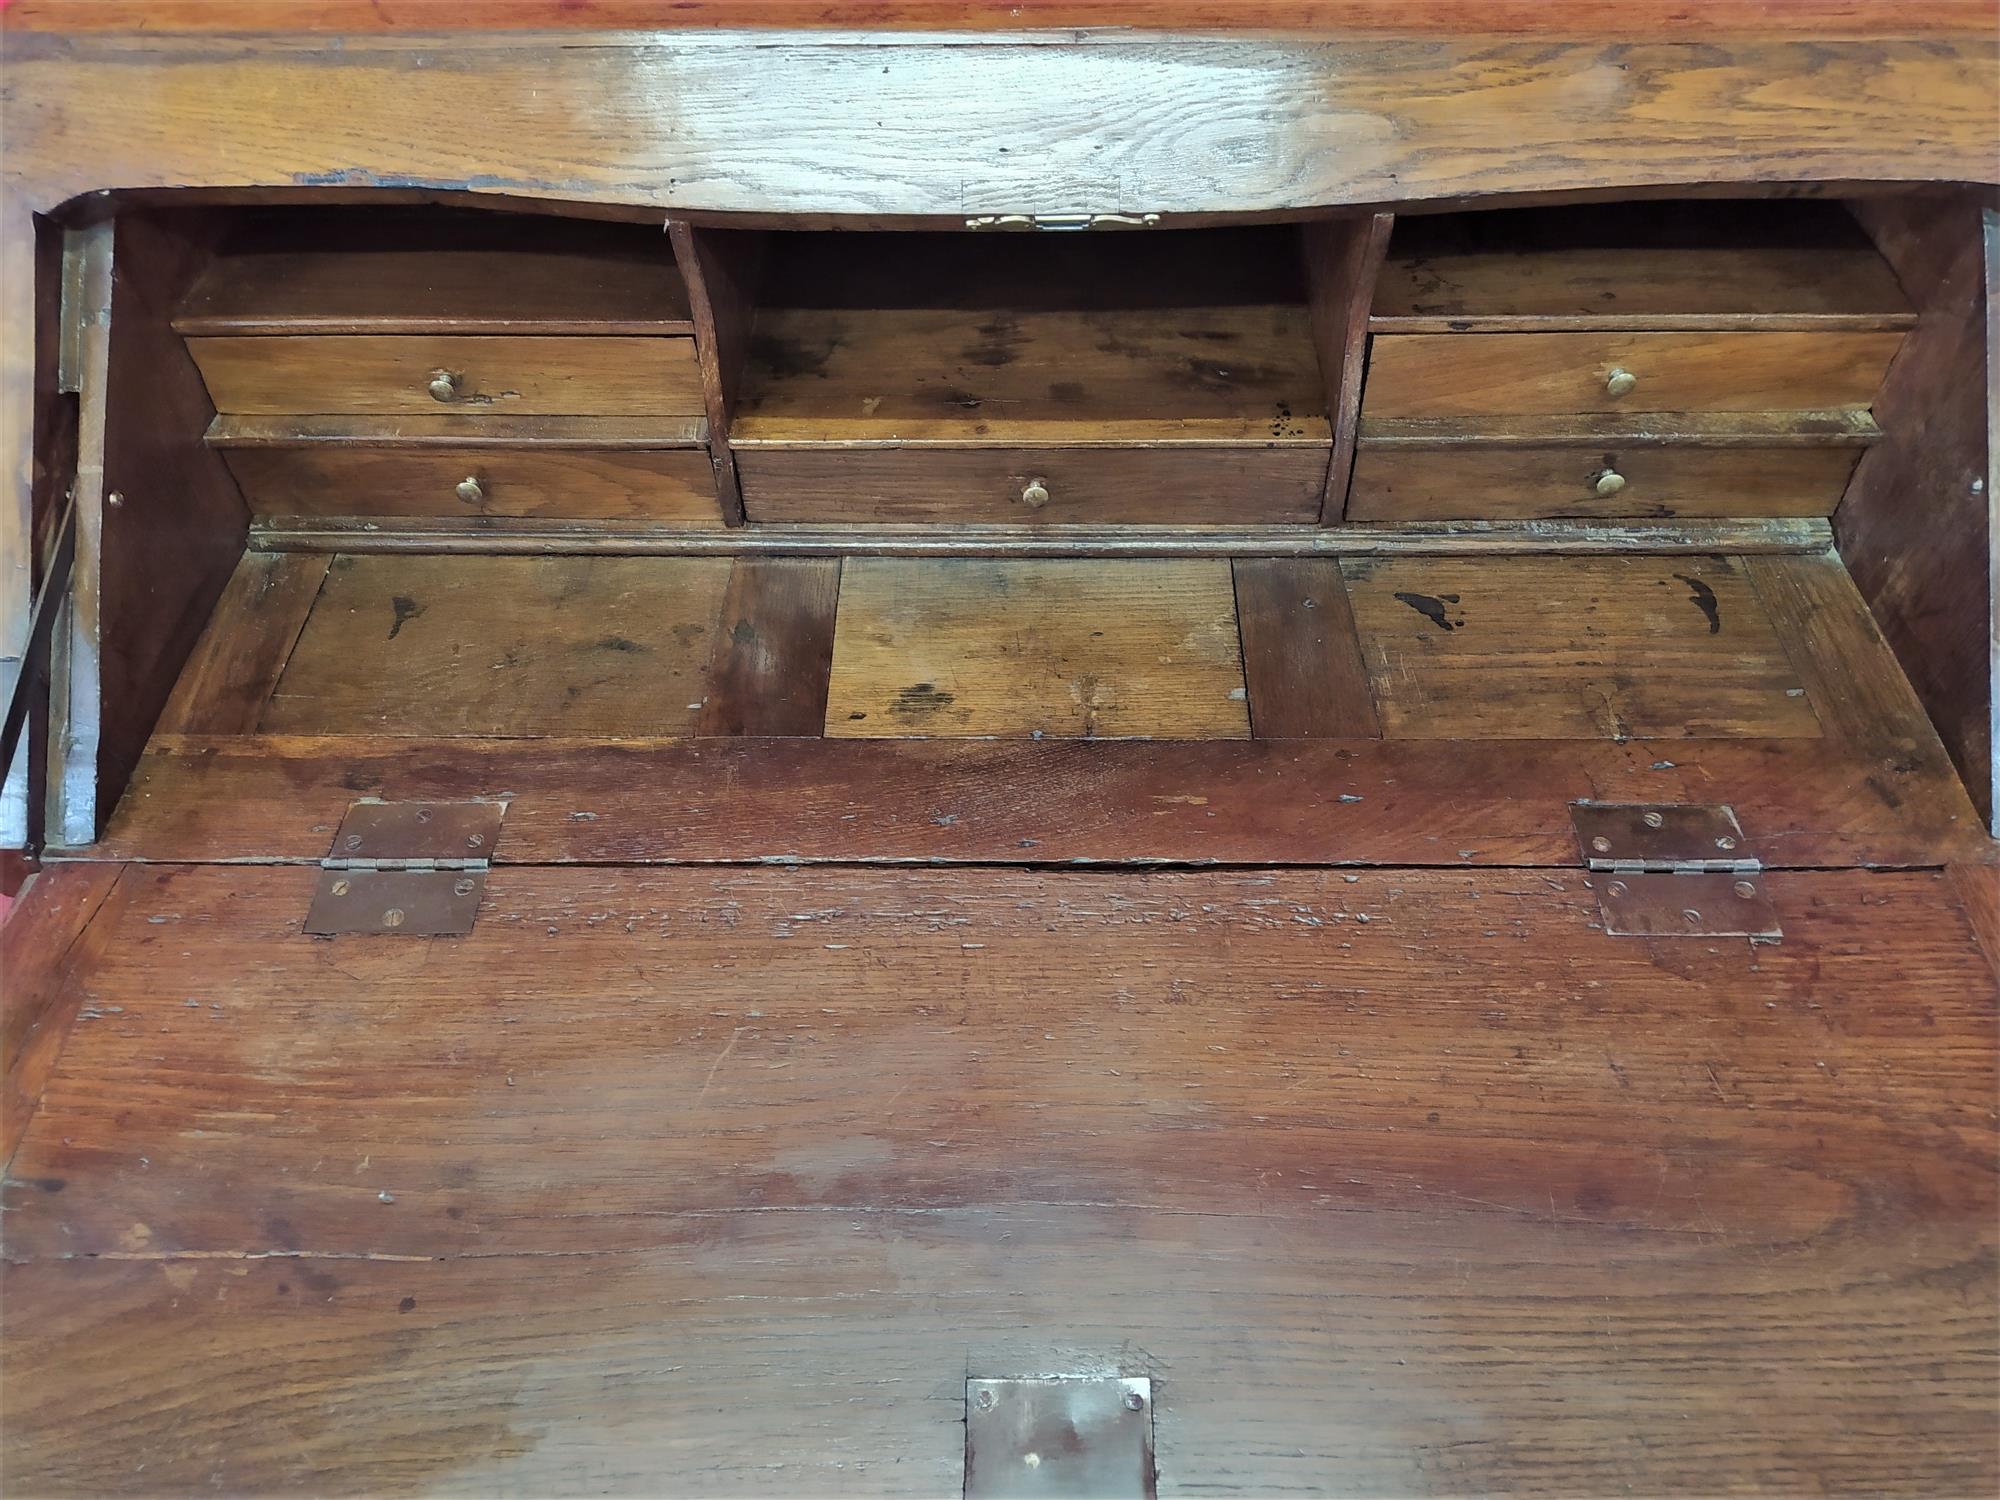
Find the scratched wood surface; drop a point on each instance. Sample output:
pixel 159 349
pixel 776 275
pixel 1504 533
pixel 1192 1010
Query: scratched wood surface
pixel 1395 1182
pixel 1107 650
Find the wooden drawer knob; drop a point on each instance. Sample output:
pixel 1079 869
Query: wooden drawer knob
pixel 1620 382
pixel 445 385
pixel 1035 494
pixel 470 490
pixel 1608 482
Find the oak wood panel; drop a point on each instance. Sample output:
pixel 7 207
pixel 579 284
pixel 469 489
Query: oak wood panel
pixel 1240 373
pixel 1628 267
pixel 1420 114
pixel 1033 649
pixel 510 646
pixel 774 649
pixel 241 654
pixel 1342 258
pixel 1413 802
pixel 674 486
pixel 370 373
pixel 1161 486
pixel 1469 375
pixel 1405 482
pixel 45 956
pixel 1629 647
pixel 160 522
pixel 1301 656
pixel 347 269
pixel 803 1123
pixel 722 268
pixel 449 429
pixel 1918 526
pixel 1828 18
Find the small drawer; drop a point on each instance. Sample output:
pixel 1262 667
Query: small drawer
pixel 1396 481
pixel 1190 486
pixel 384 374
pixel 674 486
pixel 1498 374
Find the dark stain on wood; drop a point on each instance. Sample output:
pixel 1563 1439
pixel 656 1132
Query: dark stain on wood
pixel 1703 598
pixel 1432 608
pixel 406 609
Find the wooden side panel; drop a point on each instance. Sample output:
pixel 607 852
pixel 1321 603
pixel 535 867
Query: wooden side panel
pixel 721 268
pixel 1585 647
pixel 728 1185
pixel 1033 649
pixel 517 646
pixel 1469 375
pixel 1917 526
pixel 236 664
pixel 1301 657
pixel 161 523
pixel 1342 258
pixel 774 649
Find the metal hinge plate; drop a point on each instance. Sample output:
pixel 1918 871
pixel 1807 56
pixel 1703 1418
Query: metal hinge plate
pixel 413 868
pixel 1079 1437
pixel 1674 870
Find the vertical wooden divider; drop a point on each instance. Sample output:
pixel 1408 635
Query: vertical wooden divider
pixel 1342 257
pixel 721 268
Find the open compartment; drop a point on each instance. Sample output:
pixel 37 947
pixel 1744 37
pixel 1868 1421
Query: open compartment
pixel 1158 376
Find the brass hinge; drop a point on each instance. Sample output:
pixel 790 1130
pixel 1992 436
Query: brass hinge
pixel 1673 870
pixel 414 868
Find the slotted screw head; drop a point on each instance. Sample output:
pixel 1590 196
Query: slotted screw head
pixel 1744 889
pixel 393 917
pixel 1134 1401
pixel 1601 844
pixel 1652 820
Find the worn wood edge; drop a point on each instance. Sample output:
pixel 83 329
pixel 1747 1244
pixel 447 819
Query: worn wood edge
pixel 279 798
pixel 1350 539
pixel 839 434
pixel 1882 322
pixel 1846 427
pixel 219 325
pixel 612 434
pixel 42 951
pixel 245 632
pixel 1978 889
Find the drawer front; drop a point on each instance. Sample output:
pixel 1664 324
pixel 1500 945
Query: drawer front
pixel 669 485
pixel 1488 374
pixel 1398 482
pixel 1035 487
pixel 430 374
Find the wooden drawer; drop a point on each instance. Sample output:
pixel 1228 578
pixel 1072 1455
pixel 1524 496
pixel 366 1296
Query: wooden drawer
pixel 1191 486
pixel 1398 482
pixel 668 485
pixel 393 374
pixel 1489 374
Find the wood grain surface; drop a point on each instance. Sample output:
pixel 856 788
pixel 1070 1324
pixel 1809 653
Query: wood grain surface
pixel 517 646
pixel 1470 375
pixel 1116 650
pixel 1415 1179
pixel 1301 656
pixel 1554 647
pixel 559 375
pixel 241 654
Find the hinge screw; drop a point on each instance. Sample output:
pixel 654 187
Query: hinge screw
pixel 1725 842
pixel 985 1400
pixel 393 917
pixel 353 841
pixel 1134 1401
pixel 1616 888
pixel 1745 889
pixel 474 840
pixel 1691 916
pixel 1601 844
pixel 463 888
pixel 1653 820
pixel 341 888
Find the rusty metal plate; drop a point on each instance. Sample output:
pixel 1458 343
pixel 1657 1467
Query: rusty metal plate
pixel 1729 904
pixel 412 903
pixel 388 834
pixel 1074 1437
pixel 1622 836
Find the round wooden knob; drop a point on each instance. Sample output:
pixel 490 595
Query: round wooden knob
pixel 1035 494
pixel 1608 482
pixel 445 384
pixel 1620 382
pixel 470 490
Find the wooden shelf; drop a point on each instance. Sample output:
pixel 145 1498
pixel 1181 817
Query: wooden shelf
pixel 1141 338
pixel 344 270
pixel 1711 265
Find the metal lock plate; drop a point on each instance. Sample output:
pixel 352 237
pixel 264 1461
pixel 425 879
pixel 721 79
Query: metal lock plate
pixel 1082 1438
